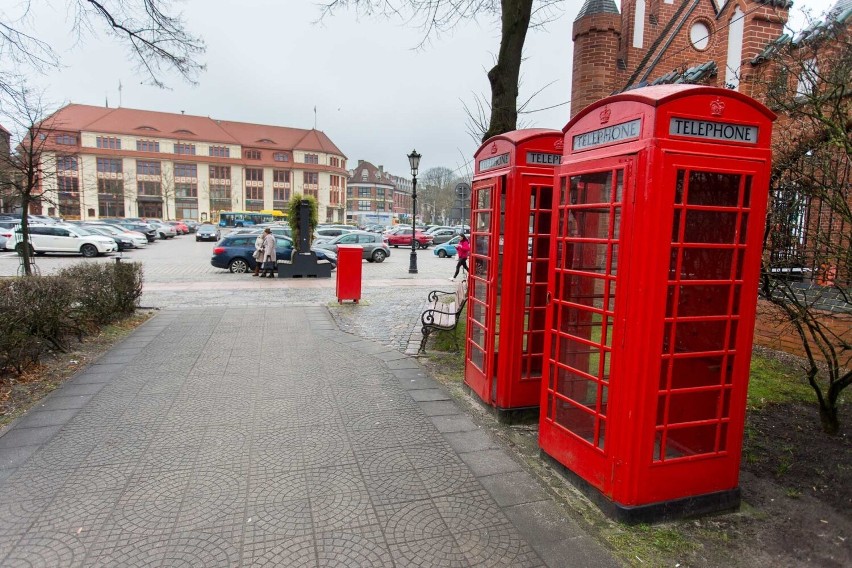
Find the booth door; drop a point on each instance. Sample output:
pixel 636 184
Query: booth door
pixel 483 319
pixel 714 252
pixel 581 316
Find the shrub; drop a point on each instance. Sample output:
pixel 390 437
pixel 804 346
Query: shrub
pixel 45 311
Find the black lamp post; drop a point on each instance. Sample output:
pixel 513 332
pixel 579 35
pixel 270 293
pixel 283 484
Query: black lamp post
pixel 414 160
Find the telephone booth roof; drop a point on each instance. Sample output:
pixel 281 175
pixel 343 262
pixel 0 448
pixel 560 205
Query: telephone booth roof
pixel 703 106
pixel 500 151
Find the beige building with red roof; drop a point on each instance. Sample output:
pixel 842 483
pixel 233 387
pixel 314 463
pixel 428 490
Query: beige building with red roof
pixel 120 162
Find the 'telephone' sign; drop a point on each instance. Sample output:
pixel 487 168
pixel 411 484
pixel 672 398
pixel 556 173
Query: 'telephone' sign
pixel 543 159
pixel 609 135
pixel 713 130
pixel 495 162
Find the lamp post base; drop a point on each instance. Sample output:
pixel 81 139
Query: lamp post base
pixel 412 264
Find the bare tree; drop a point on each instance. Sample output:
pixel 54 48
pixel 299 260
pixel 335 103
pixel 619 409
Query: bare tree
pixel 437 16
pixel 155 37
pixel 437 192
pixel 31 162
pixel 807 269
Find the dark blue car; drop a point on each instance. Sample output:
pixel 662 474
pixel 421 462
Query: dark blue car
pixel 235 252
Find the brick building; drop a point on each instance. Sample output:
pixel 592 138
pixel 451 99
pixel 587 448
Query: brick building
pixel 375 196
pixel 102 162
pixel 731 44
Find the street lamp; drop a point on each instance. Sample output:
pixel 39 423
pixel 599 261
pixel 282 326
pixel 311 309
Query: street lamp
pixel 414 160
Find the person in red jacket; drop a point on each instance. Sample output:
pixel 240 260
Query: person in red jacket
pixel 463 249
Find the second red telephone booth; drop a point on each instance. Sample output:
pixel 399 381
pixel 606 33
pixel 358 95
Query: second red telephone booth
pixel 511 207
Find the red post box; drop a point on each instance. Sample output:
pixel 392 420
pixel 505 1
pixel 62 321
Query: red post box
pixel 658 230
pixel 511 208
pixel 349 272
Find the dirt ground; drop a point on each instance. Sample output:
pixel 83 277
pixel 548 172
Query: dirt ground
pixel 796 485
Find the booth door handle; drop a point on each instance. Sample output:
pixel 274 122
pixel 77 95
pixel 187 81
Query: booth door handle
pixel 549 297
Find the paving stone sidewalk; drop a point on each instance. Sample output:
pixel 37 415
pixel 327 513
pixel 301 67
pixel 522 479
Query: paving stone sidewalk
pixel 267 437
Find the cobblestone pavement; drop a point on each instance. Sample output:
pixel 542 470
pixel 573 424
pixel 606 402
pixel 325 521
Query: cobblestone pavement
pixel 264 436
pixel 261 423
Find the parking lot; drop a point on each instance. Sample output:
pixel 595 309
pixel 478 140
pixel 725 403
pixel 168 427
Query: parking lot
pixel 177 273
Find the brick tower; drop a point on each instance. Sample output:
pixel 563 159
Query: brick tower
pixel 596 33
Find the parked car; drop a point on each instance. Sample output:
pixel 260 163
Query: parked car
pixel 137 239
pixel 191 224
pixel 443 235
pixel 179 226
pixel 375 249
pixel 326 234
pixel 164 231
pixel 123 242
pixel 63 238
pixel 235 252
pixel 279 230
pixel 207 232
pixel 144 228
pixel 403 238
pixel 447 249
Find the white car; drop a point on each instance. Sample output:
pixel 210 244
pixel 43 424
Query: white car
pixel 164 231
pixel 137 239
pixel 62 238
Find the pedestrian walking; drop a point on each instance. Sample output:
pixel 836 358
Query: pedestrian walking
pixel 258 253
pixel 270 260
pixel 463 250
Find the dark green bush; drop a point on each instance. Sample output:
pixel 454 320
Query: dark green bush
pixel 42 311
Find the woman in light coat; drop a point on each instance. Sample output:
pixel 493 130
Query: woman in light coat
pixel 269 257
pixel 258 253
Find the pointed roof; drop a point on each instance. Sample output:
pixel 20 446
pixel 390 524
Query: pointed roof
pixel 188 127
pixel 591 7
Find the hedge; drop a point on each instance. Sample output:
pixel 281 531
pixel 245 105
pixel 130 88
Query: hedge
pixel 42 312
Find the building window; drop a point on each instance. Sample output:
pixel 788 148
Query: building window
pixel 365 192
pixel 109 165
pixel 220 192
pixel 254 193
pixel 365 205
pixel 186 171
pixel 281 194
pixel 735 49
pixel 699 35
pixel 108 186
pixel 219 151
pixel 281 176
pixel 252 154
pixel 67 184
pixel 147 146
pixel 807 79
pixel 146 168
pixel 151 188
pixel 311 178
pixel 185 149
pixel 220 172
pixel 380 206
pixel 380 192
pixel 108 142
pixel 311 159
pixel 281 157
pixel 66 163
pixel 334 162
pixel 348 192
pixel 186 189
pixel 66 139
pixel 254 174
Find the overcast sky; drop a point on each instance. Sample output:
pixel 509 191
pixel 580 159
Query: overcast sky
pixel 376 96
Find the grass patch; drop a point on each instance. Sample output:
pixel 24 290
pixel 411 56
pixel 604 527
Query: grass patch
pixel 651 545
pixel 452 340
pixel 773 382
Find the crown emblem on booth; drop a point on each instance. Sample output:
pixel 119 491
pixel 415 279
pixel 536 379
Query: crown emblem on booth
pixel 717 107
pixel 494 147
pixel 604 115
pixel 558 145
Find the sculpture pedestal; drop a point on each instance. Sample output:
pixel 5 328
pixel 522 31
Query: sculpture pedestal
pixel 304 265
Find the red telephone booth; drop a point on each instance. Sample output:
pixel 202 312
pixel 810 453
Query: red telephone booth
pixel 656 251
pixel 511 207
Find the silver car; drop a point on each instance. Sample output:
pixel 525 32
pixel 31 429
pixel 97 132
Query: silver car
pixel 375 248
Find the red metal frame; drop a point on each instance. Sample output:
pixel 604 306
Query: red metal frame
pixel 511 208
pixel 645 397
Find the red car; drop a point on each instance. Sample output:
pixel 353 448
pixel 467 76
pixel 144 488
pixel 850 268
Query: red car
pixel 402 238
pixel 180 227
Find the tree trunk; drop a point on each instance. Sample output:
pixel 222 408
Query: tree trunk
pixel 828 419
pixel 504 76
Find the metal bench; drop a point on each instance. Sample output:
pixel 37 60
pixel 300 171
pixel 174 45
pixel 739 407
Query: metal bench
pixel 443 311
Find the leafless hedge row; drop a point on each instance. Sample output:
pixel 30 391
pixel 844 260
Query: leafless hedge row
pixel 48 312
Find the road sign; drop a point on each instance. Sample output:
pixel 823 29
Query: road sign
pixel 462 190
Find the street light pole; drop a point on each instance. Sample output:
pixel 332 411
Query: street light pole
pixel 414 161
